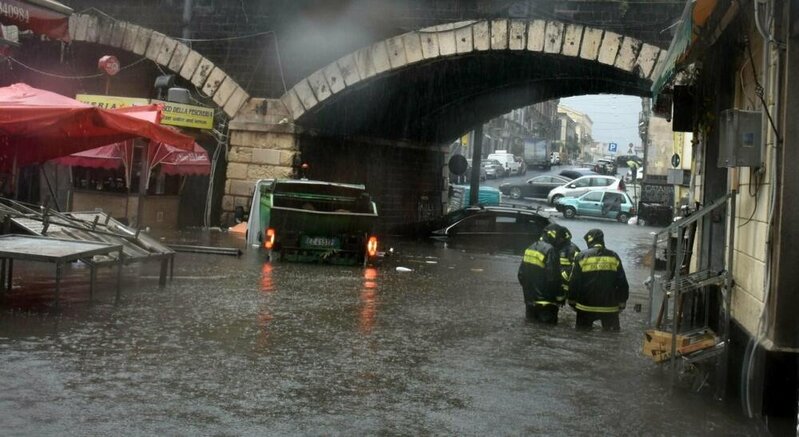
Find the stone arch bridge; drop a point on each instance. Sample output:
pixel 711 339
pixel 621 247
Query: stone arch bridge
pixel 381 114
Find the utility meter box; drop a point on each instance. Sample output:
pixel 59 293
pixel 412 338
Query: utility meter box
pixel 740 140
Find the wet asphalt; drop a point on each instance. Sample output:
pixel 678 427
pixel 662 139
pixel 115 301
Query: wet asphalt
pixel 241 346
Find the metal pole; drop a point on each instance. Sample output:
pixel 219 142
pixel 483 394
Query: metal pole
pixel 652 281
pixel 675 294
pixel 477 150
pixel 121 261
pixel 92 280
pixel 57 282
pixel 727 305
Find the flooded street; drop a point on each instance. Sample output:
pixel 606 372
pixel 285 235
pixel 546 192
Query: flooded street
pixel 237 346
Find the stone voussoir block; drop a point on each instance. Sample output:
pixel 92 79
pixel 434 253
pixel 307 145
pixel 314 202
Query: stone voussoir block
pixel 204 69
pixel 179 57
pixel 292 102
pixel 190 65
pixel 236 101
pixel 553 39
pixel 349 71
pixel 118 34
pixel 214 81
pixel 131 33
pixel 224 91
pixel 412 42
pixel 499 34
pixel 319 85
pixel 142 41
pixel 154 47
pixel 167 49
pixel 92 29
pixel 517 35
pixel 396 53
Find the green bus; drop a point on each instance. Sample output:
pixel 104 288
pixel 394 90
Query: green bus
pixel 313 221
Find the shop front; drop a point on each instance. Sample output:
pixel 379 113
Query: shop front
pixel 135 182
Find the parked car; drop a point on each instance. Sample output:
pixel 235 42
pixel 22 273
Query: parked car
pixel 605 166
pixel 538 187
pixel 494 169
pixel 607 203
pixel 468 174
pixel 574 173
pixel 584 184
pixel 492 228
pixel 507 160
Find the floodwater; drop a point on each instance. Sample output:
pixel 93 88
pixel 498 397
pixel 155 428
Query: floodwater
pixel 238 346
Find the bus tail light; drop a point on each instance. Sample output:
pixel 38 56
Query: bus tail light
pixel 269 238
pixel 371 246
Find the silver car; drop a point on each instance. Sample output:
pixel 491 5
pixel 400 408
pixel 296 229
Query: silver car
pixel 583 185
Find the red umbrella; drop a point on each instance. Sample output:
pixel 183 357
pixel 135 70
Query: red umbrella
pixel 45 17
pixel 38 125
pixel 173 161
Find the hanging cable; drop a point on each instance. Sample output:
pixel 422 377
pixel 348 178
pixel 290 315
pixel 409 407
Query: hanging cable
pixel 72 77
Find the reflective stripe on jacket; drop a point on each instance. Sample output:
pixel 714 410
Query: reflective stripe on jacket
pixel 567 254
pixel 539 275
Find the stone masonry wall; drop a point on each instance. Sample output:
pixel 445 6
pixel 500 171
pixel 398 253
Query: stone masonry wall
pixel 262 146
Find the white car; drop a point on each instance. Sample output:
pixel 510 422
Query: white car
pixel 583 185
pixel 507 160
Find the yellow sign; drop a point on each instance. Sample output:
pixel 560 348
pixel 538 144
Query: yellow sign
pixel 174 114
pixel 111 102
pixel 177 114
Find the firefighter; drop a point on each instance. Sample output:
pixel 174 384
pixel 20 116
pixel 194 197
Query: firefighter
pixel 598 289
pixel 539 275
pixel 567 251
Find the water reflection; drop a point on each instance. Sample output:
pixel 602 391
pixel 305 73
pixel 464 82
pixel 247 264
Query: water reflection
pixel 368 301
pixel 265 314
pixel 267 285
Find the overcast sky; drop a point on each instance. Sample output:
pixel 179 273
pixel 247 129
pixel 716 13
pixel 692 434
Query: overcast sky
pixel 615 117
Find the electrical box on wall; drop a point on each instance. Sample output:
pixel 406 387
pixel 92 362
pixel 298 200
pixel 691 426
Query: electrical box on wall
pixel 740 139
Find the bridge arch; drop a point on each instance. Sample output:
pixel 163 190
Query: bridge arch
pixel 167 52
pixel 533 60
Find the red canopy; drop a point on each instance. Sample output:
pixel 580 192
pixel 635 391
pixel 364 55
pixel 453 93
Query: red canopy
pixel 172 160
pixel 38 125
pixel 175 161
pixel 45 17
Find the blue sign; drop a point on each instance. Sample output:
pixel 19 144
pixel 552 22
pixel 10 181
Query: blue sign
pixel 612 147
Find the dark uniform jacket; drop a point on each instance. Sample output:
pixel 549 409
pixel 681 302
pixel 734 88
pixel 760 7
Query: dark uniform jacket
pixel 567 254
pixel 539 275
pixel 598 283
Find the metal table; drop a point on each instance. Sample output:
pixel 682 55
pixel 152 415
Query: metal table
pixel 51 250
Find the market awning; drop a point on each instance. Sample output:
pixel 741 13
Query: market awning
pixel 44 17
pixel 175 161
pixel 38 125
pixel 692 37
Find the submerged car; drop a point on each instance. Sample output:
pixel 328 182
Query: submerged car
pixel 491 228
pixel 607 203
pixel 583 185
pixel 313 221
pixel 537 187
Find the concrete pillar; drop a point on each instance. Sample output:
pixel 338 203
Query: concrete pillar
pixel 263 143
